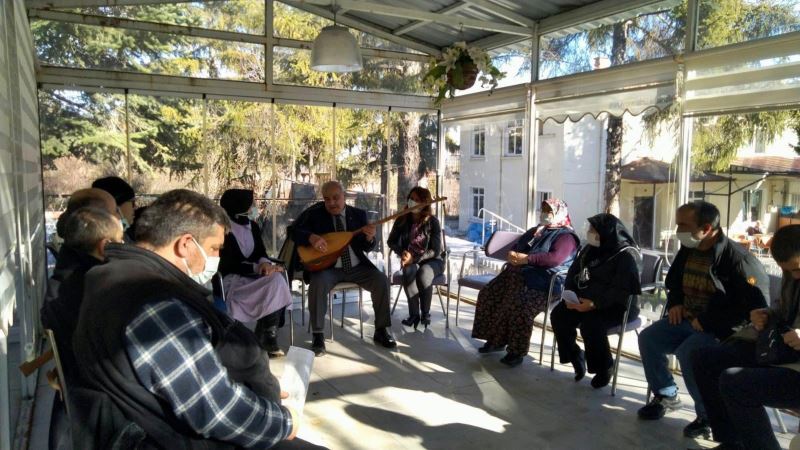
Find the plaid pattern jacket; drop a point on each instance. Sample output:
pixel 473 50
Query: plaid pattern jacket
pixel 170 348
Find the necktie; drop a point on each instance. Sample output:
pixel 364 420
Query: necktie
pixel 346 254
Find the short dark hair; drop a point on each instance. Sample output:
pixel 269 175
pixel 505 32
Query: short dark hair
pixel 179 212
pixel 786 243
pixel 705 213
pixel 86 227
pixel 75 203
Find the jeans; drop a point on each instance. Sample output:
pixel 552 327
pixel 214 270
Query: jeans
pixel 735 390
pixel 418 284
pixel 660 339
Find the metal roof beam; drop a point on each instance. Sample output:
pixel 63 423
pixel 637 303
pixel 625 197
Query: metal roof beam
pixel 373 52
pixel 455 7
pixel 610 11
pixel 129 24
pixel 361 25
pixel 503 12
pixel 78 79
pixel 385 10
pixel 81 3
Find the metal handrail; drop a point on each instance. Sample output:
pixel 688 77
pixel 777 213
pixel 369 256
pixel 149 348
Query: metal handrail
pixel 496 218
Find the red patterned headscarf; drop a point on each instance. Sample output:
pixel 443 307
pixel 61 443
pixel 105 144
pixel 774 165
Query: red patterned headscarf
pixel 560 213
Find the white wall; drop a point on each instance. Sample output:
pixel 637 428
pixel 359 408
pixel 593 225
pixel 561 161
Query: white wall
pixel 22 253
pixel 502 177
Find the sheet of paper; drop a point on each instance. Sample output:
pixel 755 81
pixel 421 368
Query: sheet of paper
pixel 570 297
pixel 296 375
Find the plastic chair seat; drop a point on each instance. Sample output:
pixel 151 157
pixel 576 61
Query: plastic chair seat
pixel 476 281
pixel 438 280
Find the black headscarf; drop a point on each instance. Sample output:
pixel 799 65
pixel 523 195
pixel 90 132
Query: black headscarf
pixel 236 202
pixel 613 235
pixel 117 187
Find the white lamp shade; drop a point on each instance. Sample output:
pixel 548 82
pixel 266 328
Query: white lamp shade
pixel 335 50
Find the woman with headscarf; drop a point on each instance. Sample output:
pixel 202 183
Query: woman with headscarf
pixel 508 305
pixel 417 239
pixel 604 275
pixel 255 288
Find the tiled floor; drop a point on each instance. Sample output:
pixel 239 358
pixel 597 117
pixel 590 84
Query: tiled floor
pixel 435 391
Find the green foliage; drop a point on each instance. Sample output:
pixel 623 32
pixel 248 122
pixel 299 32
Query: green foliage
pixel 216 144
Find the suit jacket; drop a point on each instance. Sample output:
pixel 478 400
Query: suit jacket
pixel 317 220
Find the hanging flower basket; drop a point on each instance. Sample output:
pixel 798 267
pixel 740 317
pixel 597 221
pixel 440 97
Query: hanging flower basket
pixel 458 70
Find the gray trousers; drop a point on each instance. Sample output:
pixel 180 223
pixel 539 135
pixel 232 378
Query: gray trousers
pixel 364 275
pixel 418 284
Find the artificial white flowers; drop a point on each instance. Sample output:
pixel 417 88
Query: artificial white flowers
pixel 459 68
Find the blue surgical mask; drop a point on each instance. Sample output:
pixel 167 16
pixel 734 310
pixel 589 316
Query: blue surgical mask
pixel 210 266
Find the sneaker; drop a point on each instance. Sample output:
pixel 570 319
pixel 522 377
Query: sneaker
pixel 318 344
pixel 659 406
pixel 698 428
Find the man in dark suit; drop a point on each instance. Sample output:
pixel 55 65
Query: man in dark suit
pixel 352 266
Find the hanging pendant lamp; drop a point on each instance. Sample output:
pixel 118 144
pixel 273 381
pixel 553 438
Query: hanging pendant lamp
pixel 335 50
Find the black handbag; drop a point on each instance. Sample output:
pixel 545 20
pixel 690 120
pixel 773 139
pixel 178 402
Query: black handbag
pixel 770 348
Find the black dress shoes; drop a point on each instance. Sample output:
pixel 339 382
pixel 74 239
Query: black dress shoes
pixel 318 345
pixel 383 337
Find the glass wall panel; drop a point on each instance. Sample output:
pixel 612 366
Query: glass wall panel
pixel 241 16
pixel 293 66
pixel 754 157
pixel 82 138
pixel 724 22
pixel 93 47
pixel 648 35
pixel 293 23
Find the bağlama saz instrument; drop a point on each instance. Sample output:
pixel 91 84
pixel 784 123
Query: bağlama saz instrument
pixel 315 260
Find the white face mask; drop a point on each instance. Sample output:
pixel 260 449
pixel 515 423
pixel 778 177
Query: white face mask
pixel 411 203
pixel 210 267
pixel 593 239
pixel 545 218
pixel 123 221
pixel 687 240
pixel 251 214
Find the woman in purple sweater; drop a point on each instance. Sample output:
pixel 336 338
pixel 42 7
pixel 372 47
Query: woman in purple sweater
pixel 508 304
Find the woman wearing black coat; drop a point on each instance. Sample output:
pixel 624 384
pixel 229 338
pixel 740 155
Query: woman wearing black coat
pixel 417 239
pixel 604 275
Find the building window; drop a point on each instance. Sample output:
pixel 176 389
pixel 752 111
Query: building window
pixel 477 201
pixel 696 196
pixel 479 141
pixel 751 207
pixel 514 138
pixel 794 200
pixel 542 196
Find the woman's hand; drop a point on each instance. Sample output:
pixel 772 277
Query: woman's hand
pixel 268 269
pixel 405 258
pixel 517 259
pixel 759 318
pixel 584 305
pixel 792 339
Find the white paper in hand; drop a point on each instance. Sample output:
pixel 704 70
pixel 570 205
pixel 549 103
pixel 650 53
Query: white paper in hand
pixel 296 375
pixel 570 297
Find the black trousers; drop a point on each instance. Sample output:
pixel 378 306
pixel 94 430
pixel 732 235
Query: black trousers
pixel 735 391
pixel 594 326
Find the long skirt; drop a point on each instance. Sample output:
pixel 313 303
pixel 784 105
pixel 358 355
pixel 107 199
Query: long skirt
pixel 505 311
pixel 249 299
